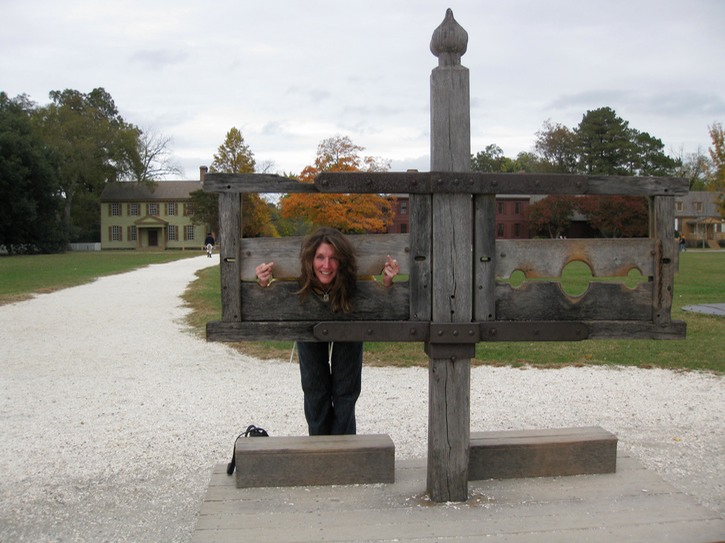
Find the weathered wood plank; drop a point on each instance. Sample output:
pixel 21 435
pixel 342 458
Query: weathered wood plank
pixel 542 453
pixel 548 257
pixel 462 181
pixel 412 331
pixel 546 301
pixel 233 332
pixel 452 228
pixel 315 460
pixel 452 224
pixel 254 182
pixel 371 250
pixel 449 369
pixel 279 301
pixel 662 227
pixel 636 330
pixel 484 258
pixel 230 223
pixel 421 257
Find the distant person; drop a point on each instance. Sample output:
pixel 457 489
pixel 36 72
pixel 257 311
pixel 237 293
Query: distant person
pixel 331 372
pixel 683 243
pixel 209 244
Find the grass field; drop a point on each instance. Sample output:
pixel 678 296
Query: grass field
pixel 21 276
pixel 701 279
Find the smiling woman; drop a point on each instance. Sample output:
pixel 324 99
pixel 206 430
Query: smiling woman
pixel 331 372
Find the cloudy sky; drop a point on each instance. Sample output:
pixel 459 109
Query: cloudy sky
pixel 291 73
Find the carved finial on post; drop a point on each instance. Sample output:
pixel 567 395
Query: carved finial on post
pixel 449 41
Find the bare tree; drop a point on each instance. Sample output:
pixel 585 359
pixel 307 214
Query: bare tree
pixel 695 167
pixel 154 159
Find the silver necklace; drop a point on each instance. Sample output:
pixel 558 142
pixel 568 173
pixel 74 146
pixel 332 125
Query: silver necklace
pixel 325 295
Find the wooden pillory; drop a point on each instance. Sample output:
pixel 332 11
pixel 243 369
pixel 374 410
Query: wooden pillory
pixel 456 295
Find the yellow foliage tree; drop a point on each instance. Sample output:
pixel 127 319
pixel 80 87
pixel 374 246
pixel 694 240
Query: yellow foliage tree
pixel 349 213
pixel 235 156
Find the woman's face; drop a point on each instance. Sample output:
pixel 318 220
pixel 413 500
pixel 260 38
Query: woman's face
pixel 325 264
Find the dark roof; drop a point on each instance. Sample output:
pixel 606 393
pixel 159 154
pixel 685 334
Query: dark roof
pixel 163 190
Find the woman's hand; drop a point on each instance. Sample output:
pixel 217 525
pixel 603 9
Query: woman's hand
pixel 390 270
pixel 264 273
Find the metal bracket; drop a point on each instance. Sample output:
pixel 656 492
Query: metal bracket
pixel 371 331
pixel 467 333
pixel 533 331
pixel 457 333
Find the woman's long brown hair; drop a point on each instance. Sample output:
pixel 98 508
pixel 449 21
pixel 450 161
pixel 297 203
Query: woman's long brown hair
pixel 344 284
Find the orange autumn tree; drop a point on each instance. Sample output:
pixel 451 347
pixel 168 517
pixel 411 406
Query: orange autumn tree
pixel 349 213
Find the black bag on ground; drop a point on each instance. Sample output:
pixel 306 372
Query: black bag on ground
pixel 251 431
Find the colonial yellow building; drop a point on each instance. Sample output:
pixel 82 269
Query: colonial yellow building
pixel 135 216
pixel 698 219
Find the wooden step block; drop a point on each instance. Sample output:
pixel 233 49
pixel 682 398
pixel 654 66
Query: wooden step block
pixel 315 460
pixel 542 453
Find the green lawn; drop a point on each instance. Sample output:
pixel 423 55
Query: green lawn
pixel 701 279
pixel 21 276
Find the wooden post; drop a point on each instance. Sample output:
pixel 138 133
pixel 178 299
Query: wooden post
pixel 452 220
pixel 230 223
pixel 662 229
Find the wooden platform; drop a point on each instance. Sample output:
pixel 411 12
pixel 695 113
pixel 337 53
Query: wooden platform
pixel 632 505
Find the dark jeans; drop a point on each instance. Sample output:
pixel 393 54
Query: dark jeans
pixel 330 390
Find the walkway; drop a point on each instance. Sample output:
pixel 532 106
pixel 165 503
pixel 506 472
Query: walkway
pixel 632 505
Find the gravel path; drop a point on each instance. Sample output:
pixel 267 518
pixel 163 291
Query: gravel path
pixel 112 414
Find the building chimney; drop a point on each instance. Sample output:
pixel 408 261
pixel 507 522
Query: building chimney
pixel 202 172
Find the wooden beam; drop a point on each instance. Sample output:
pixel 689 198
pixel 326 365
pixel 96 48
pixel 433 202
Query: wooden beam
pixel 279 301
pixel 485 257
pixel 542 453
pixel 314 460
pixel 254 182
pixel 449 377
pixel 370 249
pixel 230 224
pixel 548 257
pixel 463 181
pixel 413 331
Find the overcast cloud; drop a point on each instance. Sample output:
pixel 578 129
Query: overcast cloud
pixel 289 74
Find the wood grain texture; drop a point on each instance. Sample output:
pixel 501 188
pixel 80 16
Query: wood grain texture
pixel 230 223
pixel 314 460
pixel 542 453
pixel 370 252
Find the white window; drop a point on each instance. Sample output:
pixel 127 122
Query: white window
pixel 116 233
pixel 173 232
pixel 133 210
pixel 153 209
pixel 171 208
pixel 189 231
pixel 115 210
pixel 132 233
